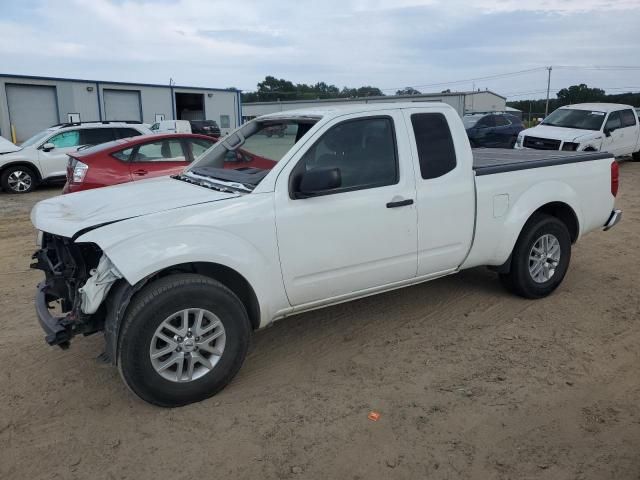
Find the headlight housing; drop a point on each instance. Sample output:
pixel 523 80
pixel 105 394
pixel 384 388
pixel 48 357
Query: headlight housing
pixel 79 172
pixel 570 146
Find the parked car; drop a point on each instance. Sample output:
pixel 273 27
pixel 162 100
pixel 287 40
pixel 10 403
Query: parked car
pixel 178 271
pixel 205 127
pixel 610 127
pixel 6 146
pixel 172 126
pixel 499 130
pixel 132 159
pixel 43 157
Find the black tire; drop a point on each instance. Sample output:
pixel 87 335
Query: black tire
pixel 636 156
pixel 519 280
pixel 28 180
pixel 150 307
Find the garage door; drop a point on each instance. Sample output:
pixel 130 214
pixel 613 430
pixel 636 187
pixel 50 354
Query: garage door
pixel 32 108
pixel 122 105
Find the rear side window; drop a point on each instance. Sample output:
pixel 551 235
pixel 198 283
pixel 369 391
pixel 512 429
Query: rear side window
pixel 126 132
pixel 123 155
pixel 96 136
pixel 628 118
pixel 161 151
pixel 199 146
pixel 435 146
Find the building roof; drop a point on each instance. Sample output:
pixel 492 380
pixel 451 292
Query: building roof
pixel 108 82
pixel 377 97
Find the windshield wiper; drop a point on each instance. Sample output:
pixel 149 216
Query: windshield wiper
pixel 216 183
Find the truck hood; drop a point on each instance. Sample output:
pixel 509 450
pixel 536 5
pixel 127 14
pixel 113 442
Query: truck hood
pixel 561 133
pixel 66 215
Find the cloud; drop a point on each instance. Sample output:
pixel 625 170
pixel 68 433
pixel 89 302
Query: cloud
pixel 347 42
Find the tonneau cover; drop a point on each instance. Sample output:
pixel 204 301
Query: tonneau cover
pixel 498 160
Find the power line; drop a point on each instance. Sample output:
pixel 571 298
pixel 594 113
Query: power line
pixel 468 80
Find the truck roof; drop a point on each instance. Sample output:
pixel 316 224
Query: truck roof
pixel 600 107
pixel 335 110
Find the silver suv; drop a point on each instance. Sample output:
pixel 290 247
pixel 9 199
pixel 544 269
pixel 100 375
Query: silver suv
pixel 43 157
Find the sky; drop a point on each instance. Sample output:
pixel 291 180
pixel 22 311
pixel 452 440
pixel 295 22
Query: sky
pixel 387 44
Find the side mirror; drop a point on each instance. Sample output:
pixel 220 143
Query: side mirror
pixel 47 147
pixel 318 181
pixel 607 132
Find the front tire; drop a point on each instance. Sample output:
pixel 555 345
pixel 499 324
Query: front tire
pixel 183 339
pixel 18 179
pixel 635 156
pixel 540 257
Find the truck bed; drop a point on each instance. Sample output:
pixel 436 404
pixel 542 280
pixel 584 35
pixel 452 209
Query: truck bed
pixel 487 161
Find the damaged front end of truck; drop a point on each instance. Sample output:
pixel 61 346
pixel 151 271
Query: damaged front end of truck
pixel 78 277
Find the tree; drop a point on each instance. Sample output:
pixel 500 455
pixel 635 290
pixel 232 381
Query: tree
pixel 580 94
pixel 274 89
pixel 408 91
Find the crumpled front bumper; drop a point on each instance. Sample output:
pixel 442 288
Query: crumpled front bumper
pixel 58 329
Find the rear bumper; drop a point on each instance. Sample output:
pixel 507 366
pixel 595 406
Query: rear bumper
pixel 57 329
pixel 614 219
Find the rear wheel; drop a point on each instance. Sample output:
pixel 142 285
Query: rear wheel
pixel 183 339
pixel 540 258
pixel 18 179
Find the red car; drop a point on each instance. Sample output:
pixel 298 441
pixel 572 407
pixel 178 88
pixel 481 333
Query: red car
pixel 146 156
pixel 132 159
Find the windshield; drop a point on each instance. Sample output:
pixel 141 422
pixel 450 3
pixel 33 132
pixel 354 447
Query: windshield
pixel 244 157
pixel 570 118
pixel 35 139
pixel 470 121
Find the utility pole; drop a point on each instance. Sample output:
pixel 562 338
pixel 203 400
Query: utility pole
pixel 546 108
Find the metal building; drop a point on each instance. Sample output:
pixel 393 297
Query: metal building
pixel 463 102
pixel 30 104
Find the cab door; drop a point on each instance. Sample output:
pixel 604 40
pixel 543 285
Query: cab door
pixel 614 135
pixel 629 132
pixel 157 158
pixel 360 234
pixel 53 161
pixel 445 190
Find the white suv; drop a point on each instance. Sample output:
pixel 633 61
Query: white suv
pixel 43 157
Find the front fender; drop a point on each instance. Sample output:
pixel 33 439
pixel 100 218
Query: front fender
pixel 526 204
pixel 145 253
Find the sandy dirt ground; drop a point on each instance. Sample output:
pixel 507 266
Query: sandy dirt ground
pixel 470 381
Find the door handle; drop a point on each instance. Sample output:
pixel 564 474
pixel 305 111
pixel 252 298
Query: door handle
pixel 140 172
pixel 400 203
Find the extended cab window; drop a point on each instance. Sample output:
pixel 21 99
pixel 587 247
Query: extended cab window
pixel 70 138
pixel 628 118
pixel 364 151
pixel 436 152
pixel 160 151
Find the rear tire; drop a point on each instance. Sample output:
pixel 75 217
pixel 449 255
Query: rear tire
pixel 183 339
pixel 18 179
pixel 540 258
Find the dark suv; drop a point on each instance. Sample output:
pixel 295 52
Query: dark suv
pixel 205 127
pixel 497 130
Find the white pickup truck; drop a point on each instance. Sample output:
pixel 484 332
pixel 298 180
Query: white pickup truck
pixel 587 127
pixel 348 202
